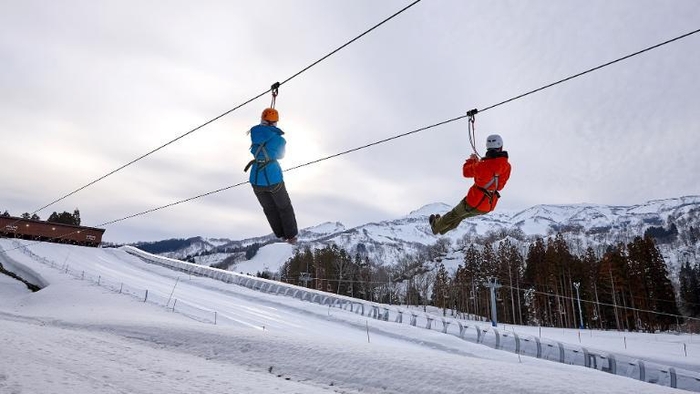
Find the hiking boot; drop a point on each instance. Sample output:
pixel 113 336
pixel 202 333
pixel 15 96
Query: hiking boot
pixel 432 220
pixel 291 241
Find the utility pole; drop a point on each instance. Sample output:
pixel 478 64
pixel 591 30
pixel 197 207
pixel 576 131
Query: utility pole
pixel 493 284
pixel 580 313
pixel 612 283
pixel 512 299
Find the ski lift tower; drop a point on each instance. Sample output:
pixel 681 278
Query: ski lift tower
pixel 493 284
pixel 305 277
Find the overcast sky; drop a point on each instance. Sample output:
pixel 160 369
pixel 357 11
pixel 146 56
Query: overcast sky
pixel 88 86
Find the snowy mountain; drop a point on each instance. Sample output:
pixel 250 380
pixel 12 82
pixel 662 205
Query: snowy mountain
pixel 672 221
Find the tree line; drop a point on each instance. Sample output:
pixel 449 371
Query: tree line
pixel 628 287
pixel 63 217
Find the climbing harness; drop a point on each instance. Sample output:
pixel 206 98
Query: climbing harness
pixel 263 162
pixel 490 193
pixel 472 129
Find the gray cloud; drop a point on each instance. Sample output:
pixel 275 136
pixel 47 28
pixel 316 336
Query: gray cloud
pixel 88 86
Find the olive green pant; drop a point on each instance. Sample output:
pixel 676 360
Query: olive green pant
pixel 452 219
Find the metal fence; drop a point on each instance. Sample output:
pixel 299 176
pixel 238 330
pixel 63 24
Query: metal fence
pixel 171 304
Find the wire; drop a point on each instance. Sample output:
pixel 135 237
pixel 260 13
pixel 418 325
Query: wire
pixel 287 170
pixel 601 303
pixel 389 138
pixel 225 113
pixel 470 113
pixel 246 182
pixel 591 70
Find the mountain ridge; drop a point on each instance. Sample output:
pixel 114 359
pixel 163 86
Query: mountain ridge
pixel 386 242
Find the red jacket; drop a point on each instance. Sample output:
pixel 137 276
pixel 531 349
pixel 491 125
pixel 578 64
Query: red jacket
pixel 490 175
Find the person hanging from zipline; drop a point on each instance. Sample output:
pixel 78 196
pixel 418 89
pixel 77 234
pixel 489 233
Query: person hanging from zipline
pixel 490 175
pixel 267 147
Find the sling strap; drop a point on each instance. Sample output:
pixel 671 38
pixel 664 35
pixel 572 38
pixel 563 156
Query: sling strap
pixel 262 163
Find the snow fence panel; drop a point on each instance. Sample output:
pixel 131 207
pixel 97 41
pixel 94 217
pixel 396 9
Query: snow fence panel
pixel 109 284
pixel 470 333
pixel 552 351
pixel 194 312
pixel 574 356
pixel 490 338
pixel 687 380
pixel 134 292
pixel 672 377
pixel 630 367
pixel 445 325
pixel 530 346
pixel 158 299
pixel 510 341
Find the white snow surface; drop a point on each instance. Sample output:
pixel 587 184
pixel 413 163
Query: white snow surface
pixel 74 336
pixel 269 258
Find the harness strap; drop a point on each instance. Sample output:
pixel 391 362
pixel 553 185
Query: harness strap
pixel 255 157
pixel 493 181
pixel 490 193
pixel 262 163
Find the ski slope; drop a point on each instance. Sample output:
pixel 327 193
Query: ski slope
pixel 76 336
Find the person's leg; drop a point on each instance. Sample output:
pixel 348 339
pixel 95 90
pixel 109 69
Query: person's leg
pixel 265 197
pixel 442 224
pixel 285 211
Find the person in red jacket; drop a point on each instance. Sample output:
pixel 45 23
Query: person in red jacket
pixel 490 175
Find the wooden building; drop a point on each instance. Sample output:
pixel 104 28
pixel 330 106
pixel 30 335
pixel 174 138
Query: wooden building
pixel 14 227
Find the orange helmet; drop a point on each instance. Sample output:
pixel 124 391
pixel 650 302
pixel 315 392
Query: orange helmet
pixel 270 115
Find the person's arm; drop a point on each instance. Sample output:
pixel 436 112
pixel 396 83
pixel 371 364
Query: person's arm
pixel 276 147
pixel 469 167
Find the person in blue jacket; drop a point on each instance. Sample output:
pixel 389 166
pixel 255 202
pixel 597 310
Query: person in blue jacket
pixel 268 147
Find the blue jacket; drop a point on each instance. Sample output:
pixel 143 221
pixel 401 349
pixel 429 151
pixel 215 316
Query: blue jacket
pixel 267 147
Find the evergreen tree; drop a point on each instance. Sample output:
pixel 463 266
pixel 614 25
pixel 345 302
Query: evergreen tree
pixel 510 264
pixel 64 218
pixel 689 278
pixel 441 288
pixel 613 280
pixel 589 288
pixel 534 275
pixel 474 276
pixel 648 287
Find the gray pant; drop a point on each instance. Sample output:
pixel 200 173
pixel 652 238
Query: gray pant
pixel 452 219
pixel 278 209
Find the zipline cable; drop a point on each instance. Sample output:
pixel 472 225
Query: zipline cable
pixel 605 304
pixel 227 112
pixel 470 114
pixel 289 169
pixel 591 70
pixel 246 182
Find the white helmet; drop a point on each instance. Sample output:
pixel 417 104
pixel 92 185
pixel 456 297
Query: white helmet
pixel 494 141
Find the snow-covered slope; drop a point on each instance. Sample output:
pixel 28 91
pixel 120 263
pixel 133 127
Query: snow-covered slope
pixel 77 336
